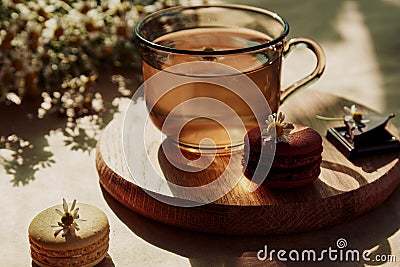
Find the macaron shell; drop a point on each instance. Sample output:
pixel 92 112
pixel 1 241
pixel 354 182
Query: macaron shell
pixel 87 247
pixel 288 175
pixel 86 260
pixel 301 173
pixel 93 226
pixel 91 249
pixel 303 140
pixel 285 161
pixel 253 142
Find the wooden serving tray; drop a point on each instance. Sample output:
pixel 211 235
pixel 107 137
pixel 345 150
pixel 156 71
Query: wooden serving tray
pixel 345 189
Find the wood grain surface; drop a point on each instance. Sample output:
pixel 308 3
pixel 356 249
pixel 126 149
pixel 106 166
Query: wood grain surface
pixel 345 189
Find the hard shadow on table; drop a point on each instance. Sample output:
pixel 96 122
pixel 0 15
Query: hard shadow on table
pixel 174 173
pixel 107 262
pixel 24 138
pixel 373 163
pixel 189 169
pixel 177 176
pixel 218 250
pixel 344 169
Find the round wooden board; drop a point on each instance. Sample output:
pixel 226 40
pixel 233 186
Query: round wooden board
pixel 343 191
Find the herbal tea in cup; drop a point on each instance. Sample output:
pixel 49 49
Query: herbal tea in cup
pixel 213 72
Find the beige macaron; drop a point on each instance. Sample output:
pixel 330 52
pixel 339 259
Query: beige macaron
pixel 83 248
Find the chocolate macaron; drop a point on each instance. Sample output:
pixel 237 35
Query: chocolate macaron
pixel 296 161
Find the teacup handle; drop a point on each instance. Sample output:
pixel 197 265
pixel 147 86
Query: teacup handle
pixel 313 76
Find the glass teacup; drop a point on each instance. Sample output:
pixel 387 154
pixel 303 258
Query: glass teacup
pixel 213 72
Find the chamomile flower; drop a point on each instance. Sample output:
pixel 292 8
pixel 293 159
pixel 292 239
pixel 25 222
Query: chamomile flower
pixel 60 40
pixel 354 116
pixel 277 129
pixel 68 220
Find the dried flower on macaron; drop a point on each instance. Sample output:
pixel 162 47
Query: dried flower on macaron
pixel 69 218
pixel 277 129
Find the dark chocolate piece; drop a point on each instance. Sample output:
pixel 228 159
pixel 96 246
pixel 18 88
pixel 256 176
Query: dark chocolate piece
pixel 370 138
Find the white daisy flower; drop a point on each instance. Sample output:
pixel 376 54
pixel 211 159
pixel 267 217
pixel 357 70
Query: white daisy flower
pixel 277 129
pixel 354 116
pixel 68 220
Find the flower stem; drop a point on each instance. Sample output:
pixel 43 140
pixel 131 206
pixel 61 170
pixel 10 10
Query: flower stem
pixel 328 118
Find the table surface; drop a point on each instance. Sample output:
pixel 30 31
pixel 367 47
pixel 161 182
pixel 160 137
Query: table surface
pixel 360 39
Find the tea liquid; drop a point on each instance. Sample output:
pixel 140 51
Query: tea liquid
pixel 194 121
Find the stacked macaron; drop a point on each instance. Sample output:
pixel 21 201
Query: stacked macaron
pixel 296 162
pixel 75 244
